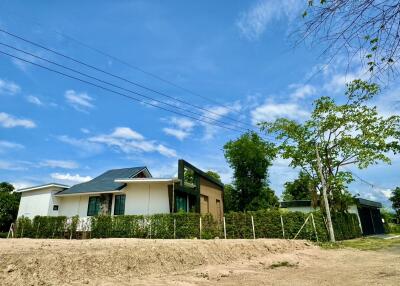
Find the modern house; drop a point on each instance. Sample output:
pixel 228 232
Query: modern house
pixel 128 191
pixel 368 213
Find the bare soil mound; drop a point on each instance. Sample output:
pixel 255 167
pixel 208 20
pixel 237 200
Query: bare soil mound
pixel 66 262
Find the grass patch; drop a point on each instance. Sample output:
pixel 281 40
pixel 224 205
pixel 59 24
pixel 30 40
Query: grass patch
pixel 365 243
pixel 282 264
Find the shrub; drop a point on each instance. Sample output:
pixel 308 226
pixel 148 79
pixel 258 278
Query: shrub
pixel 46 227
pixel 267 224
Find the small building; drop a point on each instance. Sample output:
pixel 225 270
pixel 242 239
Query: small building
pixel 127 191
pixel 367 211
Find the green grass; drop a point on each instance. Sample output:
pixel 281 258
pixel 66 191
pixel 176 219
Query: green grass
pixel 367 243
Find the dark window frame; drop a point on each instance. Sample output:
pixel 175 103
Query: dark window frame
pixel 96 205
pixel 55 207
pixel 119 204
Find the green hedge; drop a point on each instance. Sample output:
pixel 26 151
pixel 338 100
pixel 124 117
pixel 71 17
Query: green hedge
pixel 47 227
pixel 267 224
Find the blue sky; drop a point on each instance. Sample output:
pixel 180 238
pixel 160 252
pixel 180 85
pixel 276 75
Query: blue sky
pixel 236 53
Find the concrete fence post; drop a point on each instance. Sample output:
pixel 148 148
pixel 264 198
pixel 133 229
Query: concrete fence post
pixel 174 228
pixel 200 227
pixel 224 228
pixel 313 223
pixel 252 224
pixel 283 227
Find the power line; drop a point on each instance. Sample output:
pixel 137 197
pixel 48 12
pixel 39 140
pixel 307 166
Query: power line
pixel 116 86
pixel 118 77
pixel 365 181
pixel 116 92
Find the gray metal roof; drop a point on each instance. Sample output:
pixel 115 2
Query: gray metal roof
pixel 56 185
pixel 104 182
pixel 307 203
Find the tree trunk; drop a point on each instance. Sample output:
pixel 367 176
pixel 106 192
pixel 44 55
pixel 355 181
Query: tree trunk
pixel 325 197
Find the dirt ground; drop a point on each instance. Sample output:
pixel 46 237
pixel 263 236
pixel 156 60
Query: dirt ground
pixel 192 262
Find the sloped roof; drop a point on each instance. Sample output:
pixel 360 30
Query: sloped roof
pixel 39 187
pixel 104 182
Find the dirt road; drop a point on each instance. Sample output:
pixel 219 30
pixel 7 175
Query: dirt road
pixel 191 262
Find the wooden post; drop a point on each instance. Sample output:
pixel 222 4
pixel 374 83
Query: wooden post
pixel 301 227
pixel 174 228
pixel 252 224
pixel 325 197
pixel 313 223
pixel 200 227
pixel 150 227
pixel 224 229
pixel 11 230
pixel 283 228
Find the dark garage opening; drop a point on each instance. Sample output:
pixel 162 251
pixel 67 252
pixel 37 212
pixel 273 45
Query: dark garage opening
pixel 370 216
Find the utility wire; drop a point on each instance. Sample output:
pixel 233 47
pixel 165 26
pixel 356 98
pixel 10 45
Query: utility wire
pixel 119 77
pixel 366 182
pixel 116 86
pixel 116 92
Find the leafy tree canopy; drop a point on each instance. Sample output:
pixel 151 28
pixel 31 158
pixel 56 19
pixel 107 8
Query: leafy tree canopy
pixel 346 134
pixel 395 199
pixel 213 174
pixel 250 157
pixel 354 28
pixel 299 189
pixel 9 203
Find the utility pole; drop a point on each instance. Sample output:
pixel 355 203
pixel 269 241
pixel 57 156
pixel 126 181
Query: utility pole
pixel 325 196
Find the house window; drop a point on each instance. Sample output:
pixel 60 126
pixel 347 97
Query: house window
pixel 119 208
pixel 55 207
pixel 93 206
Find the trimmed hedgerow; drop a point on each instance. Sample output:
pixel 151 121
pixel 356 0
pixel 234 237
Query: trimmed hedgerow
pixel 46 227
pixel 267 224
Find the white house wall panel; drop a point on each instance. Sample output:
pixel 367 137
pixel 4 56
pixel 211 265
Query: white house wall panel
pixel 37 202
pixel 145 199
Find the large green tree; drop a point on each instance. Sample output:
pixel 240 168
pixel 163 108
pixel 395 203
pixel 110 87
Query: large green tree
pixel 395 199
pixel 250 157
pixel 338 136
pixel 301 188
pixel 357 29
pixel 9 203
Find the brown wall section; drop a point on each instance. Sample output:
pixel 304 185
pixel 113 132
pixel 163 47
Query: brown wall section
pixel 213 193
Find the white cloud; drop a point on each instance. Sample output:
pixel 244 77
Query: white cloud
pixel 182 123
pixel 85 130
pixel 7 145
pixel 9 121
pixel 9 87
pixel 126 133
pixel 34 100
pixel 272 111
pixel 83 144
pixel 12 166
pixel 218 112
pixel 302 91
pixel 74 179
pixel 181 127
pixel 254 22
pixel 178 133
pixel 59 164
pixel 80 101
pixel 130 141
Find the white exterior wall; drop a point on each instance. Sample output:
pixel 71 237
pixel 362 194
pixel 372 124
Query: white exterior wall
pixel 38 202
pixel 146 198
pixel 301 209
pixel 73 205
pixel 141 199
